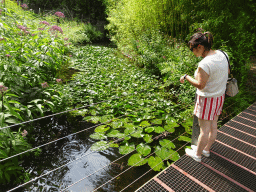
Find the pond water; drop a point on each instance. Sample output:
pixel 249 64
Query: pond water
pixel 73 147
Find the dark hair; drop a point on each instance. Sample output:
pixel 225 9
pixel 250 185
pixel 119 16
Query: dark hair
pixel 205 39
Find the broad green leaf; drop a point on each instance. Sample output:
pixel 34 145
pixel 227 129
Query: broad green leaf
pixel 129 130
pixel 137 134
pixel 167 143
pixel 98 136
pixel 169 128
pixel 101 128
pixel 143 149
pixel 144 124
pixel 149 129
pixel 172 122
pixel 117 124
pixel 157 121
pixel 113 144
pixel 148 138
pixel 100 146
pixel 125 149
pixel 159 129
pixel 106 118
pixel 162 152
pixel 184 138
pixel 174 155
pixel 155 163
pixel 129 125
pixel 136 160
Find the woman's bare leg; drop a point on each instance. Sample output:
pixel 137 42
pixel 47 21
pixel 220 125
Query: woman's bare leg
pixel 205 127
pixel 212 134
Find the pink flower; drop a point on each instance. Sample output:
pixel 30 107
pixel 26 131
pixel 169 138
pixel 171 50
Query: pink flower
pixel 23 28
pixel 41 29
pixel 58 80
pixel 164 57
pixel 33 34
pixel 24 6
pixel 1 39
pixel 7 55
pixel 44 22
pixel 59 14
pixel 3 88
pixel 44 85
pixel 24 133
pixel 66 39
pixel 70 55
pixel 56 28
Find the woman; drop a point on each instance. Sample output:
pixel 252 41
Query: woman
pixel 210 80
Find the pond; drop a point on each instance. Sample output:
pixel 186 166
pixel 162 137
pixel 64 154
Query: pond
pixel 92 166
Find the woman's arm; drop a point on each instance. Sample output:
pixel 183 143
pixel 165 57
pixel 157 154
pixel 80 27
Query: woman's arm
pixel 202 77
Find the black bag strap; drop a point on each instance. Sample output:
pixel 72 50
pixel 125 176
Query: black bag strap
pixel 227 59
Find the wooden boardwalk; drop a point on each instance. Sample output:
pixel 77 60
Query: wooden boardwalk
pixel 231 166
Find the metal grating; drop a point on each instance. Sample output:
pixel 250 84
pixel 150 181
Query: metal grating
pixel 245 121
pixel 235 132
pixel 235 156
pixel 231 166
pixel 239 145
pixel 207 176
pixel 152 186
pixel 248 179
pixel 179 182
pixel 252 112
pixel 244 128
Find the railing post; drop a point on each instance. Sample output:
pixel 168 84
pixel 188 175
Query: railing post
pixel 195 129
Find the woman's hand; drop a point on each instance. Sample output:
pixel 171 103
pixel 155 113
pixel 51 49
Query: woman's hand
pixel 182 78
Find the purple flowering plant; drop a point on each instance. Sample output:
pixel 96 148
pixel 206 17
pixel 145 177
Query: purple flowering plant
pixel 59 14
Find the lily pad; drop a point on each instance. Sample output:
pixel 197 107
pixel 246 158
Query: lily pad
pixel 136 160
pixel 167 143
pixel 125 149
pixel 101 128
pixel 155 163
pixel 100 146
pixel 143 149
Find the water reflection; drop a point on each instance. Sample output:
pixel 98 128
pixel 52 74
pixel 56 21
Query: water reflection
pixel 71 148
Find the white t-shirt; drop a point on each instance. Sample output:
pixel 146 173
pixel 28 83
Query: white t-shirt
pixel 216 66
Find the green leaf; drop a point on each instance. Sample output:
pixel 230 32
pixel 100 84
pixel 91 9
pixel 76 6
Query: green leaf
pixel 149 129
pixel 136 160
pixel 172 122
pixel 98 136
pixel 163 152
pixel 167 143
pixel 39 106
pixel 7 176
pixel 101 128
pixel 184 138
pixel 144 124
pixel 155 163
pixel 3 154
pixel 117 124
pixel 174 155
pixel 148 138
pixel 15 114
pixel 143 149
pixel 106 118
pixel 100 146
pixel 14 168
pixel 159 129
pixel 169 128
pixel 129 130
pixel 137 134
pixel 115 133
pixel 125 149
pixel 157 121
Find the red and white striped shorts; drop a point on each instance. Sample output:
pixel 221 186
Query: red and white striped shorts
pixel 208 107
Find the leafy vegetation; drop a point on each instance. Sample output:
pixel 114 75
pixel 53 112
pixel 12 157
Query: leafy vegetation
pixel 132 93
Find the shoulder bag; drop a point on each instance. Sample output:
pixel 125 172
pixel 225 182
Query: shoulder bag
pixel 232 87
